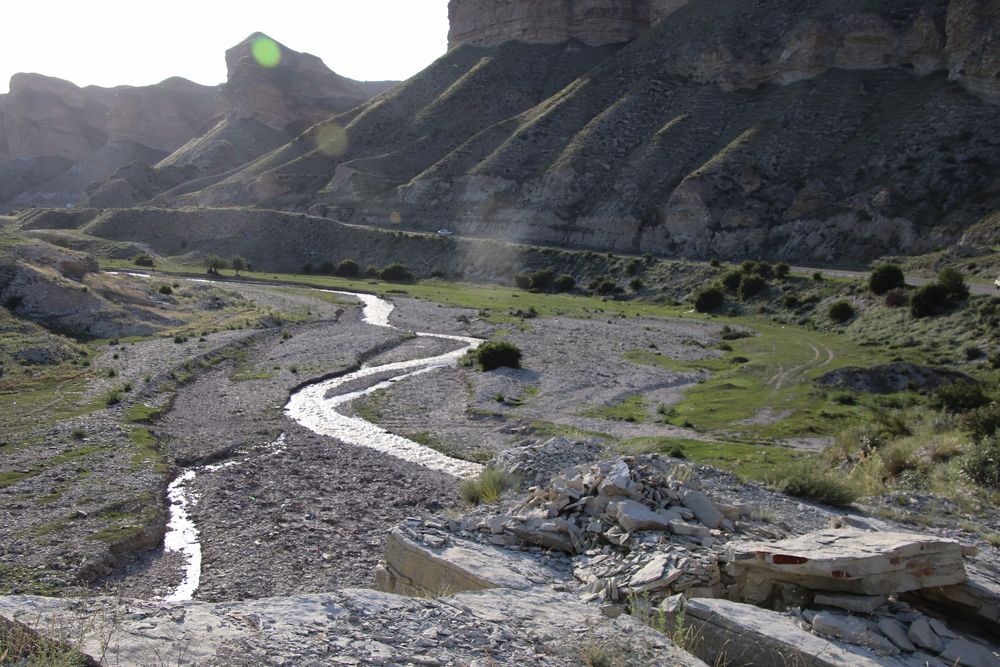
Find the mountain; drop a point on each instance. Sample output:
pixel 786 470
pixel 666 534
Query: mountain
pixel 56 138
pixel 820 131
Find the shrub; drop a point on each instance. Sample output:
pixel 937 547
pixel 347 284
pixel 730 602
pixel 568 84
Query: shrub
pixel 635 284
pixel 715 263
pixel 781 270
pixel 371 271
pixel 790 301
pixel 606 286
pixel 347 268
pixel 817 276
pixel 751 284
pixel 180 339
pixel 487 487
pixel 396 273
pixel 495 354
pixel 143 260
pixel 928 300
pixel 326 268
pixel 982 422
pixel 841 311
pixel 982 465
pixel 307 268
pixel 972 352
pixel 708 299
pixel 633 267
pixel 886 277
pixel 564 283
pixel 729 333
pixel 953 283
pixel 166 289
pixel 806 480
pixel 541 279
pixel 522 280
pixel 731 281
pixel 895 298
pixel 239 264
pixel 959 397
pixel 995 360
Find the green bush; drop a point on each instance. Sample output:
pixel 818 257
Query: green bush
pixel 239 264
pixel 633 267
pixel 497 353
pixel 564 283
pixel 522 280
pixel 790 301
pixel 841 311
pixel 326 268
pixel 731 281
pixel 982 464
pixel 215 263
pixel 307 268
pixel 959 397
pixel 729 333
pixel 751 284
pixel 982 422
pixel 396 273
pixel 953 283
pixel 606 286
pixel 166 289
pixel 806 480
pixel 928 300
pixel 371 271
pixel 143 260
pixel 781 270
pixel 635 284
pixel 542 280
pixel 886 277
pixel 487 487
pixel 347 268
pixel 708 299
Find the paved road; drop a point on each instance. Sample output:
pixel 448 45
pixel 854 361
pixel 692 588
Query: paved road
pixel 975 288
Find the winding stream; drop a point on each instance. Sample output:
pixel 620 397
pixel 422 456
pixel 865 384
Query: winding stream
pixel 315 407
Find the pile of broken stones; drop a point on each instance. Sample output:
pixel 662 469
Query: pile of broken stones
pixel 645 530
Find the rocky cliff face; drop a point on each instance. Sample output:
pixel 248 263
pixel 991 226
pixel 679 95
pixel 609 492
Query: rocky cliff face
pixel 817 131
pixel 57 138
pixel 260 108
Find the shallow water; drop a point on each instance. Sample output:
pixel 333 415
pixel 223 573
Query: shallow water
pixel 315 406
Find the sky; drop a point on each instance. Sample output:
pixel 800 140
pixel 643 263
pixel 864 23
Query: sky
pixel 140 42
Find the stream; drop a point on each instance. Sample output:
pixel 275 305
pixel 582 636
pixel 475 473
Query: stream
pixel 315 407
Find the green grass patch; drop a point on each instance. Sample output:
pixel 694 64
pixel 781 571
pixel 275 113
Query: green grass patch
pixel 488 487
pixel 632 409
pixel 747 461
pixel 140 412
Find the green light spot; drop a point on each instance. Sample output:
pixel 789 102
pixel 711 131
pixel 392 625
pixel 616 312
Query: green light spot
pixel 266 52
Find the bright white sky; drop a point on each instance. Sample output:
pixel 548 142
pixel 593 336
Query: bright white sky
pixel 137 42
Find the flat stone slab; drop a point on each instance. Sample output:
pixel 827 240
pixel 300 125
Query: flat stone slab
pixel 865 563
pixel 741 634
pixel 415 568
pixel 537 628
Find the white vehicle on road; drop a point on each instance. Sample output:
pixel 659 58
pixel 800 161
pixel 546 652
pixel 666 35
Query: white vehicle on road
pixel 997 282
pixel 445 232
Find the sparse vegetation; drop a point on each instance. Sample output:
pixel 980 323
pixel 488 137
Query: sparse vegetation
pixel 488 487
pixel 806 480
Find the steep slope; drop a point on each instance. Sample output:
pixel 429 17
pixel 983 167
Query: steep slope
pixel 56 137
pixel 814 131
pixel 261 106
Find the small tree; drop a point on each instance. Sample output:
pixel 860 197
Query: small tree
pixel 522 280
pixel 307 268
pixel 347 268
pixel 606 286
pixel 635 284
pixel 841 311
pixel 143 260
pixel 239 264
pixel 326 268
pixel 541 280
pixel 781 270
pixel 953 283
pixel 886 277
pixel 215 263
pixel 751 284
pixel 731 281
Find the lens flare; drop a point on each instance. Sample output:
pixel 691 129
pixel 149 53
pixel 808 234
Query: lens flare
pixel 331 139
pixel 395 218
pixel 266 52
